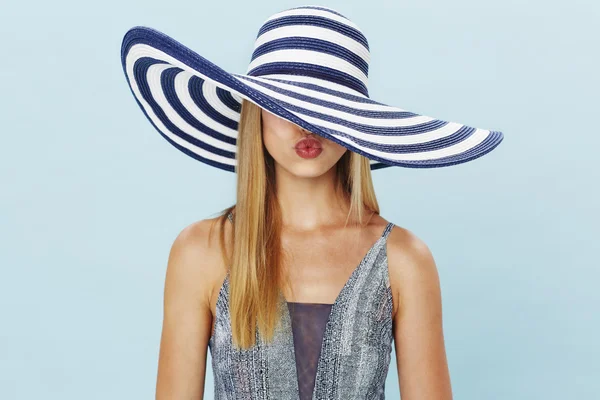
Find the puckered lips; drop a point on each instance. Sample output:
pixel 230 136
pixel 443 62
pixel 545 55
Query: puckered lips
pixel 308 147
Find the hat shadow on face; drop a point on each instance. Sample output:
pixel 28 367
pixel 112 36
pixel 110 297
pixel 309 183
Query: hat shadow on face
pixel 279 138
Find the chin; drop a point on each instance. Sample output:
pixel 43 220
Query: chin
pixel 308 170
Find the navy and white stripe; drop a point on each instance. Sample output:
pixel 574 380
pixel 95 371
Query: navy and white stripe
pixel 314 42
pixel 309 66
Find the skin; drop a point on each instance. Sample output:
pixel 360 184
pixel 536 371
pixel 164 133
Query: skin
pixel 313 219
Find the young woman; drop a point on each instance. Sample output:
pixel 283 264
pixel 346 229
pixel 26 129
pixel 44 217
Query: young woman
pixel 299 289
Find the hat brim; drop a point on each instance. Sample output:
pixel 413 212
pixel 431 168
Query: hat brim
pixel 196 105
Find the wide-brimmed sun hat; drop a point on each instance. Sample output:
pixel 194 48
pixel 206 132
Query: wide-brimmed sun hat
pixel 310 67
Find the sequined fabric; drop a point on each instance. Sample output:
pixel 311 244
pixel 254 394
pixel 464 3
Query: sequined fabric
pixel 355 352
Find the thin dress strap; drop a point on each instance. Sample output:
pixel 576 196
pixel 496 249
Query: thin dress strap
pixel 387 229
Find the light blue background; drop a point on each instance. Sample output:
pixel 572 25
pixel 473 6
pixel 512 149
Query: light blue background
pixel 92 196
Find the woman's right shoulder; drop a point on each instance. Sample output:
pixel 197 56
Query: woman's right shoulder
pixel 196 255
pixel 201 236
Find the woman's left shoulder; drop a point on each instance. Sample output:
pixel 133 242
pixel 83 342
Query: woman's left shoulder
pixel 403 246
pixel 411 265
pixel 403 243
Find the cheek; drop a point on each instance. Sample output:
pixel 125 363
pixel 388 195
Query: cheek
pixel 275 132
pixel 277 141
pixel 337 149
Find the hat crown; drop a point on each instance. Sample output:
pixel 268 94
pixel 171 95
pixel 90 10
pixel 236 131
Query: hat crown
pixel 314 42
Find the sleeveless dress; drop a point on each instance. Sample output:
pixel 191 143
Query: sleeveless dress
pixel 319 351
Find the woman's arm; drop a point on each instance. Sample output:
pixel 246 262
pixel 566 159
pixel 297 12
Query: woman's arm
pixel 187 316
pixel 419 341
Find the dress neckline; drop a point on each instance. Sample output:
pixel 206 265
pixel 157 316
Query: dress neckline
pixel 336 304
pixel 382 237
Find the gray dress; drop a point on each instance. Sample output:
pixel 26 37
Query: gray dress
pixel 319 351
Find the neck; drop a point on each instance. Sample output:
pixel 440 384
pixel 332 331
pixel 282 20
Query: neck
pixel 309 202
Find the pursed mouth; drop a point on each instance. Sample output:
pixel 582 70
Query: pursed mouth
pixel 308 143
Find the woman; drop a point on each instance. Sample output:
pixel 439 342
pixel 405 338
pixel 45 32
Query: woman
pixel 300 288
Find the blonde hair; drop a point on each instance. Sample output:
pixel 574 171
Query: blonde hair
pixel 255 262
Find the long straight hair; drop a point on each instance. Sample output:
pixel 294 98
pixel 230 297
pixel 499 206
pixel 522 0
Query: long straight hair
pixel 256 259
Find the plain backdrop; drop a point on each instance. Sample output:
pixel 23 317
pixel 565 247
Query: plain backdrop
pixel 92 197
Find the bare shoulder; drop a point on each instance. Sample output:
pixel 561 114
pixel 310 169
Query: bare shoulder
pixel 195 258
pixel 412 269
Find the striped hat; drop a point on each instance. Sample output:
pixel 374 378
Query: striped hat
pixel 310 67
